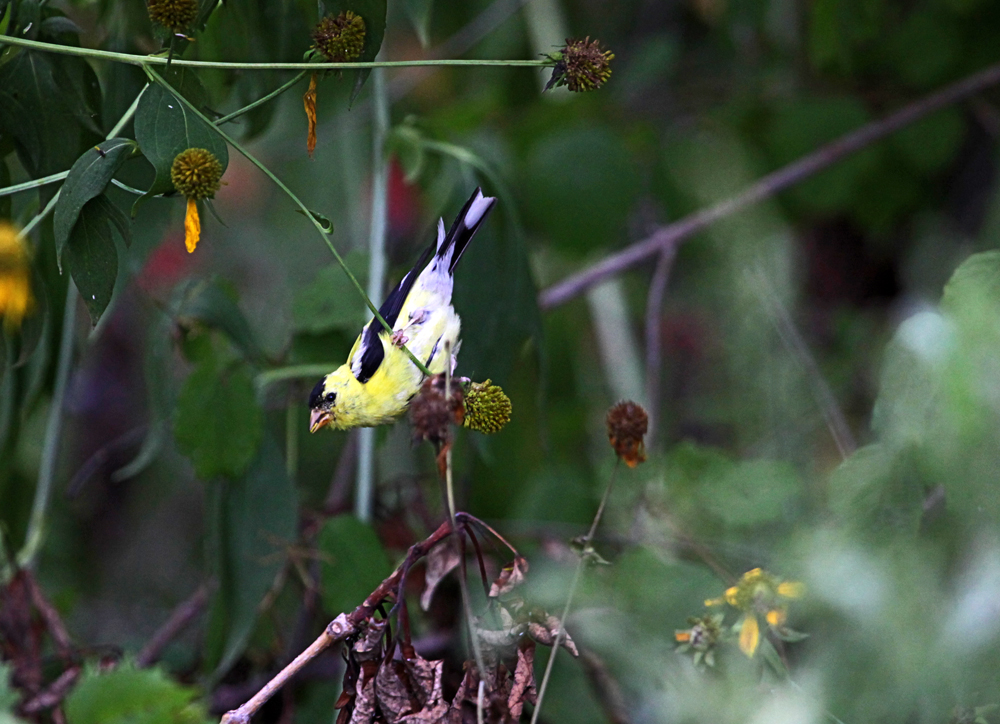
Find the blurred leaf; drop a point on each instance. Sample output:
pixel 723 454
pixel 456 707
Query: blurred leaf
pixel 218 423
pixel 419 12
pixel 330 301
pixel 802 125
pixel 406 143
pixel 58 24
pixel 164 127
pixel 872 490
pixel 373 12
pixel 208 303
pixel 9 696
pixel 256 519
pixel 92 254
pixel 88 178
pixel 47 107
pixel 354 563
pixel 129 696
pixel 932 142
pixel 926 48
pixel 752 492
pixel 34 325
pixel 838 27
pixel 974 284
pixel 579 186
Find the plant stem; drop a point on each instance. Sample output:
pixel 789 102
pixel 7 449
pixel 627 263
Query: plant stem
pixel 260 101
pixel 295 199
pixel 33 184
pixel 364 492
pixel 150 60
pixel 572 592
pixel 53 428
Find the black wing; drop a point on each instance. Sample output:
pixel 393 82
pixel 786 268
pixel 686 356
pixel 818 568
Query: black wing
pixel 371 350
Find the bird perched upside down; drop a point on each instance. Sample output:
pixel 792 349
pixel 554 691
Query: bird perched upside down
pixel 378 380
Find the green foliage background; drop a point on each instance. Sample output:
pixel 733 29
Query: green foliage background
pixel 185 457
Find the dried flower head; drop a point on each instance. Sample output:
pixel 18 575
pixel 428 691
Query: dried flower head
pixel 701 638
pixel 627 424
pixel 341 38
pixel 487 408
pixel 196 173
pixel 176 15
pixel 16 300
pixel 432 413
pixel 581 66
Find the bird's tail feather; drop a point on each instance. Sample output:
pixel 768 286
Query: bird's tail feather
pixel 465 226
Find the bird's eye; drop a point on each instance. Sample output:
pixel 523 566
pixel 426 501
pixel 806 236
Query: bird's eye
pixel 331 396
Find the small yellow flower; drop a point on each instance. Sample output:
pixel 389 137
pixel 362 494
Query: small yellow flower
pixel 197 174
pixel 759 594
pixel 16 300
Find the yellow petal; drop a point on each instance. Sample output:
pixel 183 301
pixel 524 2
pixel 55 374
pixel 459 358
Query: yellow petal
pixel 749 635
pixel 309 101
pixel 776 617
pixel 791 589
pixel 731 595
pixel 714 601
pixel 682 636
pixel 192 226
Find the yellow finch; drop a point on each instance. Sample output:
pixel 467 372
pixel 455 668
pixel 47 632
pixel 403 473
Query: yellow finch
pixel 378 380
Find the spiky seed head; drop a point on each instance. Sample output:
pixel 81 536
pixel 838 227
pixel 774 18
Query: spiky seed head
pixel 175 15
pixel 487 408
pixel 340 38
pixel 432 413
pixel 581 65
pixel 627 424
pixel 196 173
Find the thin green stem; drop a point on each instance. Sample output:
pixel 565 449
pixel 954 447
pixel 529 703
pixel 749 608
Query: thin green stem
pixel 364 490
pixel 572 592
pixel 34 184
pixel 260 101
pixel 295 199
pixel 53 429
pixel 150 60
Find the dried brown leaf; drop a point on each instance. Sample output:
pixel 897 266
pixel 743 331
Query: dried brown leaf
pixel 364 701
pixel 546 634
pixel 524 680
pixel 510 577
pixel 441 560
pixel 370 641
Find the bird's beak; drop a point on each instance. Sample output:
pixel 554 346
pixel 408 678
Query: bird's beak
pixel 318 418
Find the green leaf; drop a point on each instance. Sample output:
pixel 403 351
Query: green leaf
pixel 419 12
pixel 752 492
pixel 330 301
pixel 974 285
pixel 130 696
pixel 92 255
pixel 218 423
pixel 50 126
pixel 88 178
pixel 256 518
pixel 373 12
pixel 353 563
pixel 929 144
pixel 186 82
pixel 580 185
pixel 164 127
pixel 210 304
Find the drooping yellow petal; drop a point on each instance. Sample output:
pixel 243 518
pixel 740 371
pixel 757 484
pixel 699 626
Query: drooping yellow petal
pixel 714 601
pixel 776 617
pixel 791 589
pixel 192 226
pixel 749 635
pixel 309 101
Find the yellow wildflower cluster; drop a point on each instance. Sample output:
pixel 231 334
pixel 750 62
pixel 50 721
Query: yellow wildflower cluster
pixel 759 595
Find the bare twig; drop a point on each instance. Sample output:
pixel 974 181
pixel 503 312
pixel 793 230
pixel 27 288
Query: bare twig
pixel 53 694
pixel 53 621
pixel 654 340
pixel 339 629
pixel 179 620
pixel 766 187
pixel 825 400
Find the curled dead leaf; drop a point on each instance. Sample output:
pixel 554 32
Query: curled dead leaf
pixel 510 577
pixel 545 633
pixel 441 560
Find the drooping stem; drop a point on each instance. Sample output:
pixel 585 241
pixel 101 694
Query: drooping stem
pixel 296 200
pixel 572 592
pixel 364 492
